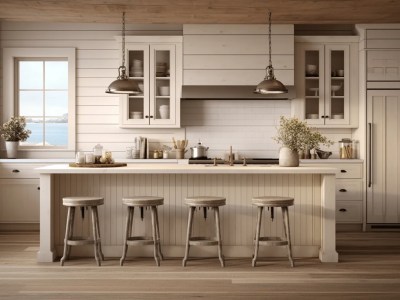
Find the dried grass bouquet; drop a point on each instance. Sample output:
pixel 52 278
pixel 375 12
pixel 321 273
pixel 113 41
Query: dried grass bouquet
pixel 296 135
pixel 14 130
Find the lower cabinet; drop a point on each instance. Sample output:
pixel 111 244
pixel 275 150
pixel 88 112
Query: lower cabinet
pixel 349 195
pixel 19 196
pixel 19 200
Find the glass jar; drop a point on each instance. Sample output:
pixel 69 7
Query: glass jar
pixel 346 149
pixel 80 157
pixel 97 151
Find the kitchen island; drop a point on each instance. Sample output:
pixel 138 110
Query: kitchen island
pixel 312 217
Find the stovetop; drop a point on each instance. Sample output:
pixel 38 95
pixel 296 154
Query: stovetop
pixel 249 161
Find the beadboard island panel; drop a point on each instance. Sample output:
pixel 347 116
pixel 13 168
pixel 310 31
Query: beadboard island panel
pixel 312 217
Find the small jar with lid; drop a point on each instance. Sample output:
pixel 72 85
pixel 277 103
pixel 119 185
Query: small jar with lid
pixel 346 149
pixel 97 151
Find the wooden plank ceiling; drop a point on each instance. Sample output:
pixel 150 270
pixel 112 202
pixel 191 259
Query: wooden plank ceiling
pixel 203 11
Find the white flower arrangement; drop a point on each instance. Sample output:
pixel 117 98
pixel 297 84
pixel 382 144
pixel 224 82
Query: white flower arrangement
pixel 14 130
pixel 296 135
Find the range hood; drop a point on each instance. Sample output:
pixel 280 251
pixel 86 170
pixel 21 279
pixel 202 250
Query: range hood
pixel 231 92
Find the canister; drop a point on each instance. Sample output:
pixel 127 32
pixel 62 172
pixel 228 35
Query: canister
pixel 346 148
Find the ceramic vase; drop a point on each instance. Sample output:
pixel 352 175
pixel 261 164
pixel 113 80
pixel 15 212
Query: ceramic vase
pixel 12 149
pixel 288 157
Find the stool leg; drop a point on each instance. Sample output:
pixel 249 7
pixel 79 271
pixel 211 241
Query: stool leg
pixel 285 214
pixel 96 255
pixel 154 230
pixel 71 230
pixel 98 233
pixel 258 229
pixel 189 231
pixel 128 230
pixel 67 234
pixel 218 231
pixel 158 236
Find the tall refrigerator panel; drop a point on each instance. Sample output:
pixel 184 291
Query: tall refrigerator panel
pixel 383 157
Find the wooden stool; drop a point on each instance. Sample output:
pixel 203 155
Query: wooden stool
pixel 69 239
pixel 205 202
pixel 143 201
pixel 272 202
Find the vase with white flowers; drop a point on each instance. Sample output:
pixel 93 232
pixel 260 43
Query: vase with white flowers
pixel 295 136
pixel 13 131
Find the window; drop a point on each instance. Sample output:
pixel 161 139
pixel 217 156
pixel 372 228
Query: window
pixel 39 84
pixel 42 97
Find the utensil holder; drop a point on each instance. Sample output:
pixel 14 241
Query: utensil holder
pixel 180 153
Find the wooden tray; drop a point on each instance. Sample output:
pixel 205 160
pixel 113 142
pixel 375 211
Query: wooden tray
pixel 114 165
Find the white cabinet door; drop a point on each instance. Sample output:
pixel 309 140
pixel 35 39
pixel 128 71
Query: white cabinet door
pixel 326 82
pixel 383 65
pixel 156 63
pixel 383 157
pixel 19 200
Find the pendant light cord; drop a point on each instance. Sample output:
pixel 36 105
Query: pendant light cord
pixel 123 39
pixel 269 35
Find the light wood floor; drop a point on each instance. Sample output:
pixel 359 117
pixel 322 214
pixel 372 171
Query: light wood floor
pixel 369 268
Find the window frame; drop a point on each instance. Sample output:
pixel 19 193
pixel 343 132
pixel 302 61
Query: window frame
pixel 10 81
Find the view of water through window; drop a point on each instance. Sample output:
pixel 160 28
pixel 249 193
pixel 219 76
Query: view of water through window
pixel 43 100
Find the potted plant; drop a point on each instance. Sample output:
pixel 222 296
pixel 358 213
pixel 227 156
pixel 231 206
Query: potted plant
pixel 295 136
pixel 13 132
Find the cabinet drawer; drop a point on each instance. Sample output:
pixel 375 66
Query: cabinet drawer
pixel 348 189
pixel 15 171
pixel 349 211
pixel 348 170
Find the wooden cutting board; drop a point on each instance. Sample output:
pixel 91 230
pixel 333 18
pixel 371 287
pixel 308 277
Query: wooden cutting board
pixel 114 165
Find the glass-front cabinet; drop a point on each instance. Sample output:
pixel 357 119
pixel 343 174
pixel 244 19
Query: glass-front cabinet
pixel 157 67
pixel 323 81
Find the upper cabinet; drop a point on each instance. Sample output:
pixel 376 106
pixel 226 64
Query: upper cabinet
pixel 156 63
pixel 326 80
pixel 383 65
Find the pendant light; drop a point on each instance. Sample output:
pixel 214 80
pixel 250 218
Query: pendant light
pixel 270 85
pixel 123 85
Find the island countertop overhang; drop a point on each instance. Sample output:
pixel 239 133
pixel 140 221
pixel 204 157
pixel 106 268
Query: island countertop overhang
pixel 186 169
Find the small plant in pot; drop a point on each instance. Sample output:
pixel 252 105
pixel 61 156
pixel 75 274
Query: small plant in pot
pixel 13 131
pixel 295 136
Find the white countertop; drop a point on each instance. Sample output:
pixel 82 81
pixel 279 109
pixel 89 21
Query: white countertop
pixel 186 169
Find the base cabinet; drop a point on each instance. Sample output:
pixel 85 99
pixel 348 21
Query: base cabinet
pixel 349 195
pixel 19 196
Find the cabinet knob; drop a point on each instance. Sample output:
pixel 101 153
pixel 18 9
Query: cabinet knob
pixel 38 188
pixel 15 171
pixel 342 209
pixel 323 117
pixel 151 117
pixel 146 117
pixel 343 190
pixel 343 171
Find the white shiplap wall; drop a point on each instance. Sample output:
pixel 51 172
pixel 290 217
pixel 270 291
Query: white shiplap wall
pixel 246 125
pixel 98 57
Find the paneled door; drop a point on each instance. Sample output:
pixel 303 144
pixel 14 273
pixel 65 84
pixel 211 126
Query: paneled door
pixel 383 156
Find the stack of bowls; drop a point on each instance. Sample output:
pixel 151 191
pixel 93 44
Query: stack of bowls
pixel 164 111
pixel 136 115
pixel 161 69
pixel 137 68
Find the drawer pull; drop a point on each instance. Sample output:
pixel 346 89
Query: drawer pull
pixel 342 209
pixel 15 171
pixel 343 171
pixel 343 190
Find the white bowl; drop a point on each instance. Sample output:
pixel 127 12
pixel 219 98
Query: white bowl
pixel 163 90
pixel 335 88
pixel 140 85
pixel 312 116
pixel 338 116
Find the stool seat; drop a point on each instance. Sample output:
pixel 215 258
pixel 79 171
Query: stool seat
pixel 205 201
pixel 143 201
pixel 272 201
pixel 83 201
